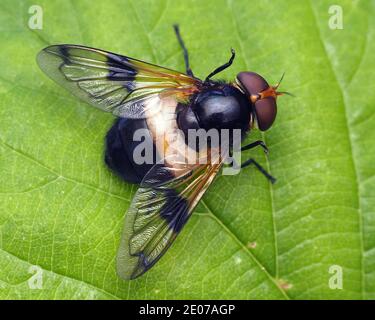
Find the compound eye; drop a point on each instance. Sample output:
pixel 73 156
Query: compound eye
pixel 265 110
pixel 252 82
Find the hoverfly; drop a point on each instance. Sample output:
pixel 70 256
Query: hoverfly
pixel 138 93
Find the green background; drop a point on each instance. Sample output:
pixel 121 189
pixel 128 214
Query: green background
pixel 62 210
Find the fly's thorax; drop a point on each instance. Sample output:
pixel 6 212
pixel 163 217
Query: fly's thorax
pixel 220 107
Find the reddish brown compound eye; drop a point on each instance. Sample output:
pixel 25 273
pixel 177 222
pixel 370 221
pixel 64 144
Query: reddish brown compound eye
pixel 265 110
pixel 252 82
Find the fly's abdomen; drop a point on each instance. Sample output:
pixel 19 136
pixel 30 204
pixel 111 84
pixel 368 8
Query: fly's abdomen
pixel 120 155
pixel 158 135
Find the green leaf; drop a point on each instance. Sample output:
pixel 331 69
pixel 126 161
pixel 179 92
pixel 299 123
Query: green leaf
pixel 62 210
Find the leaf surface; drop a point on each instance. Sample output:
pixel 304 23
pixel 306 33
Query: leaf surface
pixel 62 210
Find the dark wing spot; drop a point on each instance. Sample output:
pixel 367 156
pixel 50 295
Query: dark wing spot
pixel 144 261
pixel 175 210
pixel 124 71
pixel 64 51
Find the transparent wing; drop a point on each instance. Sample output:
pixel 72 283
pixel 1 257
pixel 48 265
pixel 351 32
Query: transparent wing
pixel 160 209
pixel 111 82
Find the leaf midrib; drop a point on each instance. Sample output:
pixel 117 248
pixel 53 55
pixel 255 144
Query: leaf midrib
pixel 240 41
pixel 261 267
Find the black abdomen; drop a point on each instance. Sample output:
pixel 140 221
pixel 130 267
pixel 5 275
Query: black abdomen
pixel 120 148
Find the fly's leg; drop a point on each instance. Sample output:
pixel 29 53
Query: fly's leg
pixel 260 168
pixel 255 144
pixel 223 67
pixel 252 161
pixel 189 72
